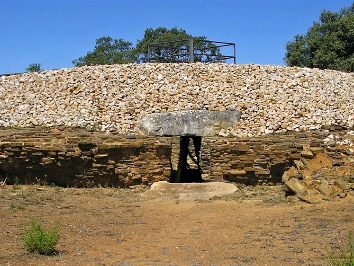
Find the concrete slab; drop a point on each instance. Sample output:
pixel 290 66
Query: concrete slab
pixel 188 191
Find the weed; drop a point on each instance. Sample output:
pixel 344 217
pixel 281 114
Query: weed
pixel 44 198
pixel 37 239
pixel 3 183
pixel 345 256
pixel 16 206
pixel 16 185
pixel 351 178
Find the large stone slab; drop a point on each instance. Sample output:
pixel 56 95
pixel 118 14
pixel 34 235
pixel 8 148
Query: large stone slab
pixel 188 191
pixel 189 123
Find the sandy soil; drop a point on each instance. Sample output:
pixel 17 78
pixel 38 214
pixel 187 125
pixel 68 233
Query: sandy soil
pixel 107 226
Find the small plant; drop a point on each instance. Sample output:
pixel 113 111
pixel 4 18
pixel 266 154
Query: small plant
pixel 346 256
pixel 35 67
pixel 351 178
pixel 37 239
pixel 16 207
pixel 16 185
pixel 3 183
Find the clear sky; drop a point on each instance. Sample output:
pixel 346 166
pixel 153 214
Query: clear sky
pixel 55 32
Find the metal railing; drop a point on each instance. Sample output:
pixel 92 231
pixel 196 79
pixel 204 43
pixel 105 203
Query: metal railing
pixel 192 50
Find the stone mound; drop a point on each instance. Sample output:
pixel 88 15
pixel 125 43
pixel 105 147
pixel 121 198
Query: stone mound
pixel 115 97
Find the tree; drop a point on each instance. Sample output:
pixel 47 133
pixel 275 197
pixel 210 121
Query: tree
pixel 328 44
pixel 173 46
pixel 108 51
pixel 35 67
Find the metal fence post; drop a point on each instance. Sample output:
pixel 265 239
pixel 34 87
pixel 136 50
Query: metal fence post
pixel 149 55
pixel 191 51
pixel 166 52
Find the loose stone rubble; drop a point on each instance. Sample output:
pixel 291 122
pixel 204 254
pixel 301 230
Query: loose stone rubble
pixel 115 97
pixel 321 174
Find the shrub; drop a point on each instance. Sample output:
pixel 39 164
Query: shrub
pixel 346 256
pixel 37 239
pixel 35 67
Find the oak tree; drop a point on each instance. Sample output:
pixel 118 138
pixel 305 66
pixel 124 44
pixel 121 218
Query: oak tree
pixel 328 44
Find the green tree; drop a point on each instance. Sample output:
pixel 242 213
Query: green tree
pixel 108 51
pixel 173 46
pixel 35 67
pixel 328 44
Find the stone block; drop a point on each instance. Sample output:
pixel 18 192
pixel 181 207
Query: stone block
pixel 295 185
pixel 46 161
pixel 325 190
pixel 341 183
pixel 316 150
pixel 312 199
pixel 307 154
pixel 306 163
pixel 189 123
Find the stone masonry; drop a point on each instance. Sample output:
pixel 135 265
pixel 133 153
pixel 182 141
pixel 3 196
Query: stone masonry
pixel 75 157
pixel 79 126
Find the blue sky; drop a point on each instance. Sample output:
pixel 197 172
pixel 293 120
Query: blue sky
pixel 55 32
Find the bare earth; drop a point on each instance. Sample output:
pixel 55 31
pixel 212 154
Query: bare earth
pixel 107 226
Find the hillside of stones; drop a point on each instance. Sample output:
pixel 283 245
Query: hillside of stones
pixel 115 97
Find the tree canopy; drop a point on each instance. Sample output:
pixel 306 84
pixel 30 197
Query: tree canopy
pixel 108 51
pixel 113 51
pixel 328 44
pixel 173 44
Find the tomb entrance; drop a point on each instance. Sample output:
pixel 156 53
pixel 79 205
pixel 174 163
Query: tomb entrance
pixel 190 126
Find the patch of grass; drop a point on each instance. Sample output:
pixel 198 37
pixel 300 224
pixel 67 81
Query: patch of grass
pixel 16 206
pixel 57 189
pixel 345 257
pixel 37 239
pixel 45 198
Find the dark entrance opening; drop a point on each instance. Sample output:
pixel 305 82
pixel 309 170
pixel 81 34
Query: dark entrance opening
pixel 188 151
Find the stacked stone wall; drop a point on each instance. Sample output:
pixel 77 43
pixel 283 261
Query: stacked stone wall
pixel 75 157
pixel 82 159
pixel 262 159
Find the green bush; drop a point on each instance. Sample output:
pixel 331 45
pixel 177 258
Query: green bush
pixel 37 239
pixel 346 256
pixel 35 67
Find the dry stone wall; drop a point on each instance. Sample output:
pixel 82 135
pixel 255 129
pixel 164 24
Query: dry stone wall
pixel 263 160
pixel 74 157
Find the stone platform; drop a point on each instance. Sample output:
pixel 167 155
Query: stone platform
pixel 189 191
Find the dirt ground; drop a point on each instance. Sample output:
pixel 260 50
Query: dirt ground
pixel 108 226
